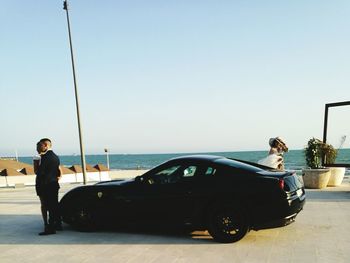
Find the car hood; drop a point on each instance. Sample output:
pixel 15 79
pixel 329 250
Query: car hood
pixel 116 182
pixel 94 187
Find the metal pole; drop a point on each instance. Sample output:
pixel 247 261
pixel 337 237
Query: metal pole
pixel 325 127
pixel 106 151
pixel 325 123
pixel 82 154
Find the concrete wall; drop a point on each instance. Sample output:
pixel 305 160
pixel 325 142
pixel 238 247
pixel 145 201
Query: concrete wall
pixel 20 179
pixel 66 178
pixel 73 178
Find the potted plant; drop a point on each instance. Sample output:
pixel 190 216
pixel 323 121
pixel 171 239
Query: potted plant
pixel 315 176
pixel 330 155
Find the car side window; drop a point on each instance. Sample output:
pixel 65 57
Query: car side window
pixel 210 171
pixel 189 171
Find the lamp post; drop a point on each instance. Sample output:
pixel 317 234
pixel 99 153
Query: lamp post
pixel 107 156
pixel 82 154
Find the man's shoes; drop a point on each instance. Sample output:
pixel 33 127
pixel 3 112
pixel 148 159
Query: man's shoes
pixel 47 232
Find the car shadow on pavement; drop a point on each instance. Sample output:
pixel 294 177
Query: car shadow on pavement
pixel 24 229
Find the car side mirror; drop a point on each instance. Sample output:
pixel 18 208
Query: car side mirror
pixel 139 179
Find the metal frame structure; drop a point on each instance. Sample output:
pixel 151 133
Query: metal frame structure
pixel 325 127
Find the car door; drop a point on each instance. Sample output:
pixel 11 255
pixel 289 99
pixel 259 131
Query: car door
pixel 119 203
pixel 168 193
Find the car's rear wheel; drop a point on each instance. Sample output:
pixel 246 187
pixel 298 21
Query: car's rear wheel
pixel 82 219
pixel 227 225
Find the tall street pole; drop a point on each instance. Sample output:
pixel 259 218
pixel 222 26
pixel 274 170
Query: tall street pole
pixel 106 151
pixel 82 154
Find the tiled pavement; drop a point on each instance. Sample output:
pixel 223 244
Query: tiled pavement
pixel 321 233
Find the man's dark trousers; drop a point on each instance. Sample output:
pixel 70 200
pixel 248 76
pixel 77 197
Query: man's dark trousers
pixel 51 200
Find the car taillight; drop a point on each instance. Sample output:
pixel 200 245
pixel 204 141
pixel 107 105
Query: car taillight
pixel 281 183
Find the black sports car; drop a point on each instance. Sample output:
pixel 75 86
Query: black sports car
pixel 227 197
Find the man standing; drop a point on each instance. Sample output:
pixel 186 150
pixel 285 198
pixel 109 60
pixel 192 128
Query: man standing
pixel 39 192
pixel 48 174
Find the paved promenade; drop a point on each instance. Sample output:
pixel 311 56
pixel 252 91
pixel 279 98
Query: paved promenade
pixel 321 233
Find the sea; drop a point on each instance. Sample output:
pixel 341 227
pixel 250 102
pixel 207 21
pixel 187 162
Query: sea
pixel 294 159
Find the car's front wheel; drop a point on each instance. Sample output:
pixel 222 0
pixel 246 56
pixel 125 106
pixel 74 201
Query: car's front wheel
pixel 82 219
pixel 227 225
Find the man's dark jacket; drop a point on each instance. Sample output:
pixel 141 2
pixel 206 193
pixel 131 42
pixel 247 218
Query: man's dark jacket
pixel 48 171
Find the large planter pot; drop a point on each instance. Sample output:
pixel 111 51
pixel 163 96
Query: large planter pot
pixel 316 178
pixel 337 176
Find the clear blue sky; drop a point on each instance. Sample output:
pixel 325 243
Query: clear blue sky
pixel 172 76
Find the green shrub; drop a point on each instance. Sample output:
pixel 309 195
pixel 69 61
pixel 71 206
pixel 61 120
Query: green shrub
pixel 313 153
pixel 316 150
pixel 329 153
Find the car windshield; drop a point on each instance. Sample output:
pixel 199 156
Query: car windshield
pixel 168 171
pixel 238 165
pixel 168 174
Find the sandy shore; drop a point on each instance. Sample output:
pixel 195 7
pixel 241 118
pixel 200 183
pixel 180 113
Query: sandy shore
pixel 121 174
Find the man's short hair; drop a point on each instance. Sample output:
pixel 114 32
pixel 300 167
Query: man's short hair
pixel 46 141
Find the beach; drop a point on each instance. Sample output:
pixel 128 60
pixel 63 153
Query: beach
pixel 123 174
pixel 102 98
